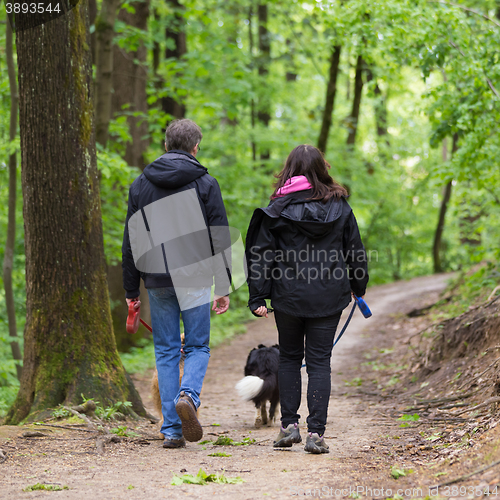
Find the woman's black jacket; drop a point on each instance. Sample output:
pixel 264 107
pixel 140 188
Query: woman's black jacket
pixel 306 256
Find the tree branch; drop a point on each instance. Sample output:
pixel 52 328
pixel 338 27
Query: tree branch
pixel 468 9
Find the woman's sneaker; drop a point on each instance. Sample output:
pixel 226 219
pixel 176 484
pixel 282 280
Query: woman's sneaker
pixel 288 436
pixel 316 444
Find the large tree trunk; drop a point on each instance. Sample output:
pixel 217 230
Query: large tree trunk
pixel 356 102
pixel 8 261
pixel 331 90
pixel 69 347
pixel 105 30
pixel 264 106
pixel 129 86
pixel 438 235
pixel 176 35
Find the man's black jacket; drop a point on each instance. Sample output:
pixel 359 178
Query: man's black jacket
pixel 171 173
pixel 306 256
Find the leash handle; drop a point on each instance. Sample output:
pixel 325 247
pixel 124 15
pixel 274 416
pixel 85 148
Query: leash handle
pixel 363 307
pixel 134 319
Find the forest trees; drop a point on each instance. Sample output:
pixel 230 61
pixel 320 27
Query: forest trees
pixel 69 348
pixel 378 89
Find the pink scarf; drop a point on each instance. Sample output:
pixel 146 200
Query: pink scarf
pixel 292 185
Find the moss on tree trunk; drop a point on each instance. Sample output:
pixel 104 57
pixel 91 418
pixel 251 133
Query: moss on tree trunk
pixel 69 343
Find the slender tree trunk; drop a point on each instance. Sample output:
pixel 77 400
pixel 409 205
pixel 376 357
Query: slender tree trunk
pixel 130 76
pixel 252 102
pixel 105 30
pixel 69 347
pixel 381 114
pixel 438 235
pixel 331 90
pixel 291 70
pixel 129 89
pixel 264 106
pixel 380 109
pixel 176 34
pixel 8 261
pixel 356 103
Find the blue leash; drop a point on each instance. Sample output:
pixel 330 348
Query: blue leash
pixel 346 323
pixel 345 326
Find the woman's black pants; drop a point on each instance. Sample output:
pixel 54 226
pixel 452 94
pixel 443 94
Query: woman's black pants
pixel 319 334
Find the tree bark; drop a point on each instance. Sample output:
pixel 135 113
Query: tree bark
pixel 438 235
pixel 175 35
pixel 264 105
pixel 69 347
pixel 129 86
pixel 92 18
pixel 356 102
pixel 105 30
pixel 8 261
pixel 331 90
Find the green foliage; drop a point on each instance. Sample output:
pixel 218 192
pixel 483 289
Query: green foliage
pixel 434 68
pixel 407 419
pixel 357 381
pixel 219 454
pixel 116 412
pixel 45 487
pixel 227 441
pixel 139 359
pixel 121 430
pixel 203 478
pixel 60 412
pixel 397 472
pixel 116 178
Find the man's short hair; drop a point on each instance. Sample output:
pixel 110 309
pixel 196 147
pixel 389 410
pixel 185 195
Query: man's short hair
pixel 182 134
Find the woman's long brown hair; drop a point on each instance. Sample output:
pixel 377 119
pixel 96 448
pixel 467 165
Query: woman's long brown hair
pixel 309 161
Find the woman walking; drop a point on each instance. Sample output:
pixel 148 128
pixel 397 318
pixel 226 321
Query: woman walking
pixel 304 252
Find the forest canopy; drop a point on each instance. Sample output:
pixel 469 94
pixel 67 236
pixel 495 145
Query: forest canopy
pixel 401 95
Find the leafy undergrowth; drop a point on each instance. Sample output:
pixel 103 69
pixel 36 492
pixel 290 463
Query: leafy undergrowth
pixel 203 478
pixel 45 487
pixel 227 441
pixel 469 289
pixel 436 372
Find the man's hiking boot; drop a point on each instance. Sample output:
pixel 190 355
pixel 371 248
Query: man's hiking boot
pixel 174 443
pixel 191 428
pixel 316 444
pixel 288 436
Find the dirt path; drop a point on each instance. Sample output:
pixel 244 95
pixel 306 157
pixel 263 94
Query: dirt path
pixel 357 438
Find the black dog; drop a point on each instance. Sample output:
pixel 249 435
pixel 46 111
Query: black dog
pixel 261 382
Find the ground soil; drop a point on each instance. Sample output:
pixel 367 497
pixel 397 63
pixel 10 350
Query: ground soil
pixel 366 439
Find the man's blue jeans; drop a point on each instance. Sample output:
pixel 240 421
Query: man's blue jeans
pixel 165 318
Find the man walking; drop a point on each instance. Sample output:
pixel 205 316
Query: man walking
pixel 176 238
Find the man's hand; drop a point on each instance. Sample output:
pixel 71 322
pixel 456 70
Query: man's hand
pixel 137 302
pixel 261 311
pixel 220 305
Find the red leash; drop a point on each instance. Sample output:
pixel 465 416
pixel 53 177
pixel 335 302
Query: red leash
pixel 134 318
pixel 146 325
